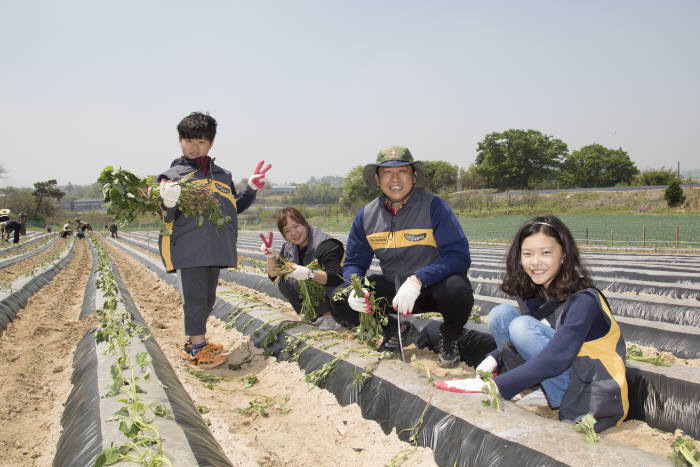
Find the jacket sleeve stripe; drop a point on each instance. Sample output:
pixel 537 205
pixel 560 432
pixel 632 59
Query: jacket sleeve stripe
pixel 165 249
pixel 604 349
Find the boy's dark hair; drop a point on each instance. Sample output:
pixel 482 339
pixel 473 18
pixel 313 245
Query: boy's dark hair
pixel 294 214
pixel 197 126
pixel 572 276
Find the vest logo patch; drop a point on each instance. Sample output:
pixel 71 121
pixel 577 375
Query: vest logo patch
pixel 223 190
pixel 414 238
pixel 378 240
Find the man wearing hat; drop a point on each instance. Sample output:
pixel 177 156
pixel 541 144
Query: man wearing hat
pixel 422 251
pixel 9 226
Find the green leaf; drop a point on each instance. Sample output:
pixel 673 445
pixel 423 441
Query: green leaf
pixel 120 414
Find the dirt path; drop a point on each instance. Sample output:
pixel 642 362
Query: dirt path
pixel 302 427
pixel 36 366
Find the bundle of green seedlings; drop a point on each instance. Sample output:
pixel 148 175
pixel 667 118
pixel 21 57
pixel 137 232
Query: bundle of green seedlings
pixel 635 353
pixel 489 389
pixel 585 426
pixel 684 452
pixel 311 293
pixel 370 329
pixel 130 196
pixel 117 328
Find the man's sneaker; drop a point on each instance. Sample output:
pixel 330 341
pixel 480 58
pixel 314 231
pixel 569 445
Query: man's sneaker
pixel 448 353
pixel 205 359
pixel 187 349
pixel 409 335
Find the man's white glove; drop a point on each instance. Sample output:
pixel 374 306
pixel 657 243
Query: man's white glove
pixel 300 273
pixel 406 297
pixel 470 385
pixel 169 193
pixel 360 304
pixel 488 364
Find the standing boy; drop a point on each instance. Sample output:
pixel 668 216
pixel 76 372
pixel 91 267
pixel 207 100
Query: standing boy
pixel 197 254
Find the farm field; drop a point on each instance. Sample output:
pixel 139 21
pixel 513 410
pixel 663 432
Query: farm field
pixel 303 426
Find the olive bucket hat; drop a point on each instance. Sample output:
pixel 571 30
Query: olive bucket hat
pixel 394 156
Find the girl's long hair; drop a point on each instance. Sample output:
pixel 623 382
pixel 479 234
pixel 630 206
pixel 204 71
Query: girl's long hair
pixel 572 276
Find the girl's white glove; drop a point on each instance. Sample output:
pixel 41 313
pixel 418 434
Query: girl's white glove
pixel 470 385
pixel 300 273
pixel 360 304
pixel 406 297
pixel 169 193
pixel 488 364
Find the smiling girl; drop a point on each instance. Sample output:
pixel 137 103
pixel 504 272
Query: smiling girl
pixel 562 335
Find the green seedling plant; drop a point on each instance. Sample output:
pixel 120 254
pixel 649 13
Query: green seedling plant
pixel 370 329
pixel 117 327
pixel 635 353
pixel 137 425
pixel 261 404
pixel 684 452
pixel 130 196
pixel 586 426
pixel 422 368
pixel 490 390
pixel 209 380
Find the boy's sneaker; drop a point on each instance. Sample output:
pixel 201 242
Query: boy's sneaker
pixel 205 359
pixel 186 353
pixel 448 353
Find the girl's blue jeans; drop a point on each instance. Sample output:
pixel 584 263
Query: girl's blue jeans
pixel 529 336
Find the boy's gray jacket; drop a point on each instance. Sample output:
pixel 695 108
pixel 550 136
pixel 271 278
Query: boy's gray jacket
pixel 191 246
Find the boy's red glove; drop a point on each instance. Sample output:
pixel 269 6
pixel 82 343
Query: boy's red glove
pixel 257 180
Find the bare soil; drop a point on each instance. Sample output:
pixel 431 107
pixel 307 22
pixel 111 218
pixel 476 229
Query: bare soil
pixel 37 363
pixel 10 273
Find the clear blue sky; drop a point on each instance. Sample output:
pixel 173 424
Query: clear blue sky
pixel 317 87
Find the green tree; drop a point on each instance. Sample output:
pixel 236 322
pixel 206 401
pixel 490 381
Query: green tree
pixel 518 158
pixel 653 177
pixel 442 176
pixel 597 166
pixel 470 179
pixel 674 194
pixel 314 194
pixel 355 191
pixel 43 192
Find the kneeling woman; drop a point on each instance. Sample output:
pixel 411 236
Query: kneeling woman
pixel 563 337
pixel 304 244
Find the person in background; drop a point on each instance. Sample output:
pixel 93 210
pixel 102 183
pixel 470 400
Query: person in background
pixel 9 226
pixel 113 230
pixel 562 336
pixel 66 230
pixel 303 244
pixel 422 251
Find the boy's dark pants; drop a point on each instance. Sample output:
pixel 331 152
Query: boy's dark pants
pixel 452 297
pixel 199 294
